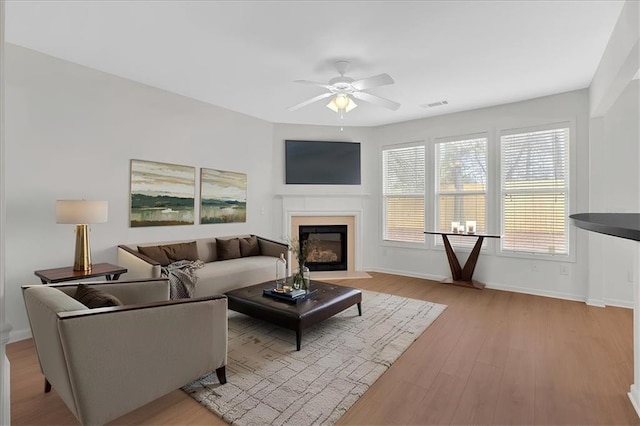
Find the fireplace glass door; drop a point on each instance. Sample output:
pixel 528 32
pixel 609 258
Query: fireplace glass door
pixel 329 248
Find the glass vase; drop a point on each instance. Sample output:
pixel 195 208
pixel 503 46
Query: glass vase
pixel 306 279
pixel 281 271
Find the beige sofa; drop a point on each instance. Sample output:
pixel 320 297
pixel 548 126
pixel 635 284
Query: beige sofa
pixel 107 361
pixel 220 272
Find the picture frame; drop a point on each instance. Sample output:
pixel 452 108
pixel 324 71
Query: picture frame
pixel 223 196
pixel 161 194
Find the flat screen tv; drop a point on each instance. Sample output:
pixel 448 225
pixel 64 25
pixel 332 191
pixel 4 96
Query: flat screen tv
pixel 322 163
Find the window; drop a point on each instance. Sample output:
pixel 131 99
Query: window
pixel 461 185
pixel 403 186
pixel 535 191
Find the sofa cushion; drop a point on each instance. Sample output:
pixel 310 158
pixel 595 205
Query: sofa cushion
pixel 249 246
pixel 219 277
pixel 156 253
pixel 171 252
pixel 182 251
pixel 228 248
pixel 94 298
pixel 207 251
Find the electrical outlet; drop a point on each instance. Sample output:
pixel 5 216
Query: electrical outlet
pixel 564 270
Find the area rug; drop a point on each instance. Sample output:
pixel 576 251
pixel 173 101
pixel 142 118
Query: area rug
pixel 270 383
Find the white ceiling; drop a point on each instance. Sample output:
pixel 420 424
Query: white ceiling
pixel 244 56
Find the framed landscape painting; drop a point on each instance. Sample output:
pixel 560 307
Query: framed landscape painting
pixel 162 194
pixel 223 196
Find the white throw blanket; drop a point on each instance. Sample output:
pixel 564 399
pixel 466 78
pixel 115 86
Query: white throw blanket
pixel 182 277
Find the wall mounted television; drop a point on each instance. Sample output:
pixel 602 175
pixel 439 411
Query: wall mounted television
pixel 322 163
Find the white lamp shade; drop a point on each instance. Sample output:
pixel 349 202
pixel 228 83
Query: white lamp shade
pixel 81 211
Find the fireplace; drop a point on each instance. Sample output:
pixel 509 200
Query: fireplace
pixel 329 249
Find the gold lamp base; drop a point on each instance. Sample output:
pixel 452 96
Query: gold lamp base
pixel 82 260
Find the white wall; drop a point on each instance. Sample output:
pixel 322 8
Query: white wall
pixel 616 169
pixel 71 133
pixel 5 328
pixel 615 177
pixel 620 61
pixel 519 274
pixel 369 169
pixel 613 162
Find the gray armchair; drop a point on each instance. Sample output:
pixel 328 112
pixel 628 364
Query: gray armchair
pixel 105 362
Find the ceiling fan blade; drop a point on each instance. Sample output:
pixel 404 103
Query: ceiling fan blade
pixel 376 100
pixel 310 101
pixel 375 81
pixel 314 83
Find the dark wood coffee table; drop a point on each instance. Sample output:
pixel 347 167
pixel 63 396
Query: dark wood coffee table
pixel 326 302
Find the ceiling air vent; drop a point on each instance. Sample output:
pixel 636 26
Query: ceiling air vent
pixel 435 104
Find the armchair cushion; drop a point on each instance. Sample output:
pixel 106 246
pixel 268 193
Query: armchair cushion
pixel 95 298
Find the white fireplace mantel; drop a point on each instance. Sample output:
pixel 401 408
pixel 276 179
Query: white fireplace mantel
pixel 321 205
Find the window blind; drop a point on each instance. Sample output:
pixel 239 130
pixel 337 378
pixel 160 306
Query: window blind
pixel 535 191
pixel 403 193
pixel 461 186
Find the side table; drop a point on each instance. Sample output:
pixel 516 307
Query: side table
pixel 462 276
pixel 58 275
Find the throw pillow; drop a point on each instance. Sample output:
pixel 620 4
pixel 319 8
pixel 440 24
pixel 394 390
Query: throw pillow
pixel 94 298
pixel 182 251
pixel 249 246
pixel 171 252
pixel 228 249
pixel 156 253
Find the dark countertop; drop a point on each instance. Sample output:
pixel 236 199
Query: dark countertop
pixel 623 225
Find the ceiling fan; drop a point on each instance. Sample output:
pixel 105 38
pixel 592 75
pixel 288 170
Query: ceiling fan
pixel 343 89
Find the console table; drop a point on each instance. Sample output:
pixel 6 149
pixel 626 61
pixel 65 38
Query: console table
pixel 58 275
pixel 462 276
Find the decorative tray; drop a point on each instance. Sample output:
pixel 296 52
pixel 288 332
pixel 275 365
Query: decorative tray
pixel 294 296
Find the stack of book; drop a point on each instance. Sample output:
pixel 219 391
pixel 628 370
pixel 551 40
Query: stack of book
pixel 293 295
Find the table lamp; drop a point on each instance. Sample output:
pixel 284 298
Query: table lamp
pixel 81 213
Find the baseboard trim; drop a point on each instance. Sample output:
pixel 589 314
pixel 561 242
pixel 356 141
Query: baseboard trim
pixel 494 286
pixel 17 335
pixel 406 274
pixel 599 303
pixel 634 398
pixel 618 303
pixel 538 292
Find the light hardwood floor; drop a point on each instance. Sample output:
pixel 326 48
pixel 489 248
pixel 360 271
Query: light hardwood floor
pixel 492 357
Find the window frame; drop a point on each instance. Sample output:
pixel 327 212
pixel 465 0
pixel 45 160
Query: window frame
pixel 437 242
pixel 383 204
pixel 571 195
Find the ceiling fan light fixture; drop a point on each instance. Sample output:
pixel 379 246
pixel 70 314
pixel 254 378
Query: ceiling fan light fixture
pixel 341 102
pixel 342 91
